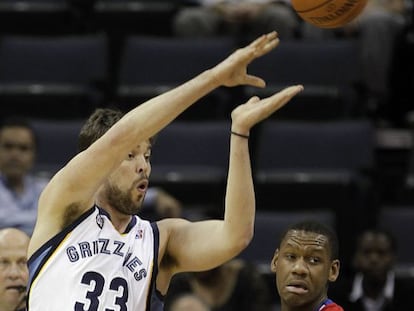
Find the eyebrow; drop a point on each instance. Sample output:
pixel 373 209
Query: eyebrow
pixel 314 247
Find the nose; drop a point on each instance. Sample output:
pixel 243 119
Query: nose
pixel 300 267
pixel 16 271
pixel 142 165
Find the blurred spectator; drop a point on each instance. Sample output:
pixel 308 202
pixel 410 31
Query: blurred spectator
pixel 375 285
pixel 244 18
pixel 13 269
pixel 305 262
pixel 377 29
pixel 159 204
pixel 188 302
pixel 235 285
pixel 19 189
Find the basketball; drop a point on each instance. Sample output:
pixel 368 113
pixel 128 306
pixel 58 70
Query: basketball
pixel 328 13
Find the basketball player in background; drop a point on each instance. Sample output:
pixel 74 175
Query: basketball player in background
pixel 90 252
pixel 305 262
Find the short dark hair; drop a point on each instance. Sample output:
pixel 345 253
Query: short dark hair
pixel 318 228
pixel 99 122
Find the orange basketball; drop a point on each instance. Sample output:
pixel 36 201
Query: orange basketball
pixel 328 13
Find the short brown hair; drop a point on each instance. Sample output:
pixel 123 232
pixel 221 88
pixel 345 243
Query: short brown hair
pixel 100 121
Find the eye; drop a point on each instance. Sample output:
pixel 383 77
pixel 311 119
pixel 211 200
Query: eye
pixel 314 260
pixel 290 256
pixel 3 263
pixel 147 156
pixel 131 156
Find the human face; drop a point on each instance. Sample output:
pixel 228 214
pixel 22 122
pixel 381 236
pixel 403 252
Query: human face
pixel 374 256
pixel 13 268
pixel 303 267
pixel 127 186
pixel 17 151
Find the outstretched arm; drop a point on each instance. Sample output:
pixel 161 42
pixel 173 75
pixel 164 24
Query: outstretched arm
pixel 71 191
pixel 206 244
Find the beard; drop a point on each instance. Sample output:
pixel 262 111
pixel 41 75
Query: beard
pixel 122 200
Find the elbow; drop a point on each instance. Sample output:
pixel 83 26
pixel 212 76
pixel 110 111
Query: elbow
pixel 248 237
pixel 243 240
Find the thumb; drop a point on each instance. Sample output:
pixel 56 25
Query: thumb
pixel 255 81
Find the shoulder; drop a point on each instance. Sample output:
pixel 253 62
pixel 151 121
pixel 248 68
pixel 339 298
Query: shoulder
pixel 332 307
pixel 168 225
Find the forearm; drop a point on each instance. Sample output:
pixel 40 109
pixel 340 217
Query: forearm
pixel 149 118
pixel 240 198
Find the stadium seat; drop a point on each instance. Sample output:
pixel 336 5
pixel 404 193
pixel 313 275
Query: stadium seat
pixel 151 65
pixel 399 220
pixel 35 17
pixel 190 159
pixel 135 16
pixel 317 165
pixel 57 142
pixel 328 70
pixel 59 76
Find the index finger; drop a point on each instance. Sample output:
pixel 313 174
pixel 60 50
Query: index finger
pixel 264 44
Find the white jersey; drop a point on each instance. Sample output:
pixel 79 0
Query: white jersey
pixel 91 266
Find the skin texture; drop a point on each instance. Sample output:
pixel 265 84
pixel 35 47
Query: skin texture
pixel 13 268
pixel 303 268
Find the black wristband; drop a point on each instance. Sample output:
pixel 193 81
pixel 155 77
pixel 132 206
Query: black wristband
pixel 240 135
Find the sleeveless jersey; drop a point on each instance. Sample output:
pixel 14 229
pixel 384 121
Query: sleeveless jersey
pixel 90 266
pixel 329 305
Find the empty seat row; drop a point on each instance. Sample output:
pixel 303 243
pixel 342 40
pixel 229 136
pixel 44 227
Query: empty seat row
pixel 70 75
pixel 81 16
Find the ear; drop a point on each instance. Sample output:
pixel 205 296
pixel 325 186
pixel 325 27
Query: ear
pixel 334 270
pixel 273 264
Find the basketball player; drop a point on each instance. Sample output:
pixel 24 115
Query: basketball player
pixel 90 252
pixel 305 262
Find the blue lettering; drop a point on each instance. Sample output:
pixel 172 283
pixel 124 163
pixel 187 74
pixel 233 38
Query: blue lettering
pixel 85 249
pixel 133 263
pixel 140 274
pixel 119 246
pixel 104 248
pixel 72 253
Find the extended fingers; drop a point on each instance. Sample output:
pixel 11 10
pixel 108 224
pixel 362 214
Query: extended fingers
pixel 290 91
pixel 284 96
pixel 264 44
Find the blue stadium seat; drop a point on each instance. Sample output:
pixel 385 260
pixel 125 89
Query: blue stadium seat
pixel 152 65
pixel 58 76
pixel 329 71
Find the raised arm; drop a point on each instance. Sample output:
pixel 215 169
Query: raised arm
pixel 206 244
pixel 71 191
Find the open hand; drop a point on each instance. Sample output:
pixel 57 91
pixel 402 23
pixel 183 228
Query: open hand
pixel 245 116
pixel 233 70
